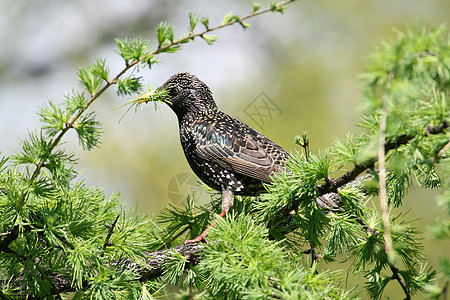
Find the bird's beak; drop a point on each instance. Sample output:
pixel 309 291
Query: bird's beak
pixel 157 95
pixel 146 97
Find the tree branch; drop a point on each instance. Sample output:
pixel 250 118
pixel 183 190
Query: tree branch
pixel 110 232
pixel 332 185
pixel 328 192
pixel 388 247
pixel 396 276
pixel 10 236
pixel 154 266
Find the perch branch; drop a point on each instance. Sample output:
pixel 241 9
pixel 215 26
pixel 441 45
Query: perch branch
pixel 154 267
pixel 332 185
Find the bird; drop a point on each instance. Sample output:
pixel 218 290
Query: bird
pixel 225 153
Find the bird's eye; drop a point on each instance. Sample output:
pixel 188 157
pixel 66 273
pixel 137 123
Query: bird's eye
pixel 173 91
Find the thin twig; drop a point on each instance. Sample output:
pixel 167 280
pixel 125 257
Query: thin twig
pixel 110 232
pixel 396 276
pixel 304 143
pixel 388 247
pixel 315 257
pixel 11 235
pixel 367 228
pixel 382 184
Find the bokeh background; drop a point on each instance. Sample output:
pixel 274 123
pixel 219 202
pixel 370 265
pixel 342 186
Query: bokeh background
pixel 287 73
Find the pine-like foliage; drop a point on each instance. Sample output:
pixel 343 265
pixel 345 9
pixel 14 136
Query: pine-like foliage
pixel 58 235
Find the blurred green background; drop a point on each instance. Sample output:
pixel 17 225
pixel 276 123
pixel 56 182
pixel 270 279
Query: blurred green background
pixel 303 65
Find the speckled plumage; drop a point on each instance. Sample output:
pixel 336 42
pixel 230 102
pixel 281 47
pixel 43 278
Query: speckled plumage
pixel 225 153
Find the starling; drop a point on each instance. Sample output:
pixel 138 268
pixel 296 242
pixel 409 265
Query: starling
pixel 228 155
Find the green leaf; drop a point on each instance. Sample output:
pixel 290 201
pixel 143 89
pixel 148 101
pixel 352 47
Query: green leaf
pixel 277 7
pixel 164 33
pixel 99 69
pixel 34 150
pixel 376 284
pixel 87 77
pixel 174 267
pixel 343 234
pixel 210 39
pixel 132 50
pixel 193 20
pixel 245 25
pixel 230 17
pixel 53 119
pixel 89 131
pixel 171 49
pixel 129 85
pixel 150 60
pixel 80 227
pixel 256 6
pixel 74 102
pixel 227 18
pixel 205 22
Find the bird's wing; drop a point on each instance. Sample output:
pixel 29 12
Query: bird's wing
pixel 237 147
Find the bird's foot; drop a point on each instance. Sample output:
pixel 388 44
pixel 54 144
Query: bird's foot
pixel 200 238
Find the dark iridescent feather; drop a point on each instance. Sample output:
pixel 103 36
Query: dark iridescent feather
pixel 236 147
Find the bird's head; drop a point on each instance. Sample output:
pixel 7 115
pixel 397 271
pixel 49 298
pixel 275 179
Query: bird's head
pixel 187 94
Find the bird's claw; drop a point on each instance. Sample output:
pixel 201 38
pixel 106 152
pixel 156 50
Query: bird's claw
pixel 200 238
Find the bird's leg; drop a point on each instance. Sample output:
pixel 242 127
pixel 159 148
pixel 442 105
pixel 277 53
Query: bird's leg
pixel 227 203
pixel 227 200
